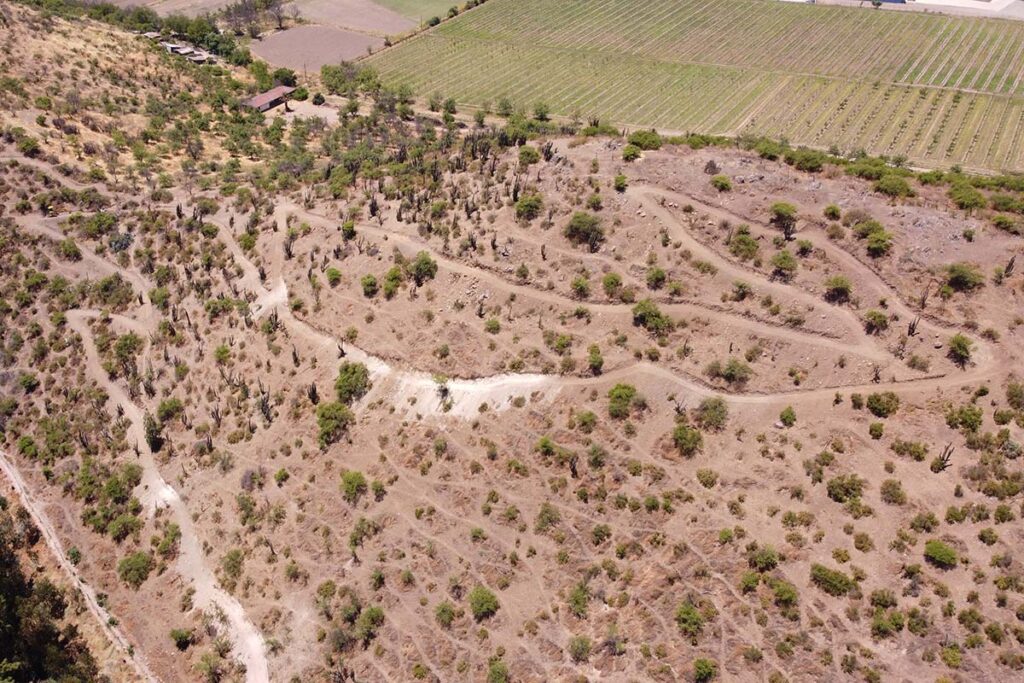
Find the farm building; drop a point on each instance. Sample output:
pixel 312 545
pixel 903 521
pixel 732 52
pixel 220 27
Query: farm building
pixel 269 99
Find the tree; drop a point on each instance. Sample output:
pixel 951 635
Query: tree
pixel 960 349
pixel 788 416
pixel 712 413
pixel 423 268
pixel 584 228
pixel 964 277
pixel 579 648
pixel 704 670
pixel 352 383
pixel 276 9
pixel 529 207
pixel 482 603
pixel 832 581
pixel 620 399
pixel 333 420
pixel 353 486
pixel 528 155
pixel 153 432
pixel 783 216
pixel 647 315
pixel 940 554
pixel 687 440
pixel 784 264
pixel 838 289
pixel 883 404
pixel 134 569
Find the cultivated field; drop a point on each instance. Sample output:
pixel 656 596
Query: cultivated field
pixel 309 47
pixel 940 90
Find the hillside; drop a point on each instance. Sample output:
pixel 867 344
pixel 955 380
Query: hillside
pixel 937 90
pixel 360 390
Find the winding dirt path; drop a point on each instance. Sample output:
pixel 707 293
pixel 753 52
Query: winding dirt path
pixel 246 638
pixel 103 618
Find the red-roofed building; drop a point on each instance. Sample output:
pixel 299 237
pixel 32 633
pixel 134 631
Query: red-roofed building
pixel 269 99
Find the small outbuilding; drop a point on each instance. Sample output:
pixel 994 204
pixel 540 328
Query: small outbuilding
pixel 269 99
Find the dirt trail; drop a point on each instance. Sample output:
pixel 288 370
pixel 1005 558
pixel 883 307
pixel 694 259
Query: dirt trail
pixel 863 345
pixel 247 640
pixel 420 392
pixel 49 534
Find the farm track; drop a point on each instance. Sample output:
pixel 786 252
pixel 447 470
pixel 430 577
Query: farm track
pixel 691 65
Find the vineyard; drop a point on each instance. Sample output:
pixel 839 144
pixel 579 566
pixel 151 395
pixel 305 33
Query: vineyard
pixel 939 90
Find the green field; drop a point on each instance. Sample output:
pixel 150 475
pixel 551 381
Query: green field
pixel 939 90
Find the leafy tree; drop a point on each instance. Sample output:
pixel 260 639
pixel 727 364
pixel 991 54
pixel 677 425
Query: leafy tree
pixel 838 289
pixel 445 614
pixel 369 285
pixel 687 440
pixel 528 155
pixel 620 399
pixel 423 268
pixel 645 139
pixel 883 404
pixel 333 420
pixel 529 207
pixel 34 643
pixel 353 486
pixel 482 603
pixel 845 487
pixel 584 228
pixel 579 648
pixel 940 554
pixel 647 315
pixel 784 264
pixel 153 432
pixel 788 416
pixel 960 349
pixel 712 413
pixel 352 383
pixel 134 569
pixel 832 581
pixel 964 277
pixel 783 216
pixel 704 670
pixel 690 620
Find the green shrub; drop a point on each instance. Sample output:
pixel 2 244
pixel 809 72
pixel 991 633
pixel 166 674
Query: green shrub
pixel 687 439
pixel 647 315
pixel 333 420
pixel 482 603
pixel 959 349
pixel 584 228
pixel 883 404
pixel 832 581
pixel 939 554
pixel 788 416
pixel 134 569
pixel 620 399
pixel 704 670
pixel 352 383
pixel 645 139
